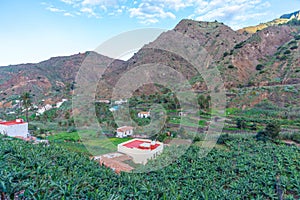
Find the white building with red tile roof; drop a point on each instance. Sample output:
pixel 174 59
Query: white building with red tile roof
pixel 144 114
pixel 14 128
pixel 124 131
pixel 141 150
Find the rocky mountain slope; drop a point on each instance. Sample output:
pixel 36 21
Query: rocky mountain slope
pixel 50 80
pixel 266 58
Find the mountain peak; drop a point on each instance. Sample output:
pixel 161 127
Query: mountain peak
pixel 294 15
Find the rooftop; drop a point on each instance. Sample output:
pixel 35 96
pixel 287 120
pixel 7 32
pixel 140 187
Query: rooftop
pixel 124 128
pixel 141 144
pixel 14 122
pixel 145 113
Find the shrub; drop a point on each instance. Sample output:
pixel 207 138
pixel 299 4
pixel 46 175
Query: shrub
pixel 225 54
pixel 224 138
pixel 294 22
pixel 230 67
pixel 284 57
pixel 271 132
pixel 292 42
pixel 71 129
pixel 296 137
pixel 239 45
pixel 297 37
pixel 253 127
pixel 287 52
pixel 294 47
pixel 197 139
pixel 259 67
pixel 241 123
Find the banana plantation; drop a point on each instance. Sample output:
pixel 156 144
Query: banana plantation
pixel 247 169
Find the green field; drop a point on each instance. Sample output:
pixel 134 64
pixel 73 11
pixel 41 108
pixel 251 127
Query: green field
pixel 93 145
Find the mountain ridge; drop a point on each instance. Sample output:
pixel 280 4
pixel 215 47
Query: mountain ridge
pixel 268 57
pixel 283 19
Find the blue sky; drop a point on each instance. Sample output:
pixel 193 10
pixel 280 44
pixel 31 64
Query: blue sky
pixel 33 31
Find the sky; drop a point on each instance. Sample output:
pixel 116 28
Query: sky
pixel 33 31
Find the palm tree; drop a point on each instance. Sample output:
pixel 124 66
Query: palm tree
pixel 26 100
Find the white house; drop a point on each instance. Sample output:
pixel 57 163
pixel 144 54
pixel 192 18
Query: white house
pixel 14 128
pixel 124 131
pixel 144 114
pixel 141 150
pixel 43 109
pixel 120 102
pixel 103 101
pixel 58 104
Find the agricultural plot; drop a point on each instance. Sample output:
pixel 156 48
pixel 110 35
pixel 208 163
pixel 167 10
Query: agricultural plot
pixel 247 169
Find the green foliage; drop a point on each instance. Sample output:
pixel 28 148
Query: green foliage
pixel 294 22
pixel 297 37
pixel 294 47
pixel 204 102
pixel 65 136
pixel 239 45
pixel 271 132
pixel 71 129
pixel 26 99
pixel 259 67
pixel 290 136
pixel 296 137
pixel 248 171
pixel 224 138
pixel 241 123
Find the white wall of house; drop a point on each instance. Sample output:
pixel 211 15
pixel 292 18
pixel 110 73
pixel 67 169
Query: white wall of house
pixel 143 115
pixel 14 130
pixel 122 134
pixel 140 156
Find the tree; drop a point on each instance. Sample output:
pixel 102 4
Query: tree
pixel 271 132
pixel 204 102
pixel 240 123
pixel 27 103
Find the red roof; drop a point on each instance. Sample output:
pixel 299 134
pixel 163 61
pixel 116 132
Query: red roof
pixel 146 113
pixel 124 128
pixel 138 144
pixel 11 123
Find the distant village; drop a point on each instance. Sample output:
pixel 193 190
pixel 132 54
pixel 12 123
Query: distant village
pixel 139 150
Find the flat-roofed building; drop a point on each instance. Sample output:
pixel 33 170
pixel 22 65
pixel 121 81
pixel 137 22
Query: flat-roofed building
pixel 141 150
pixel 14 128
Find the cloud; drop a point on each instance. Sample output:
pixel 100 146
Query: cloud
pixel 70 1
pixel 53 9
pixel 149 14
pixel 67 14
pixel 231 12
pixel 90 12
pixel 152 11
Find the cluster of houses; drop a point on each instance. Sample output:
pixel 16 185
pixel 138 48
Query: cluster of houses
pixel 126 131
pixel 40 111
pixel 141 150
